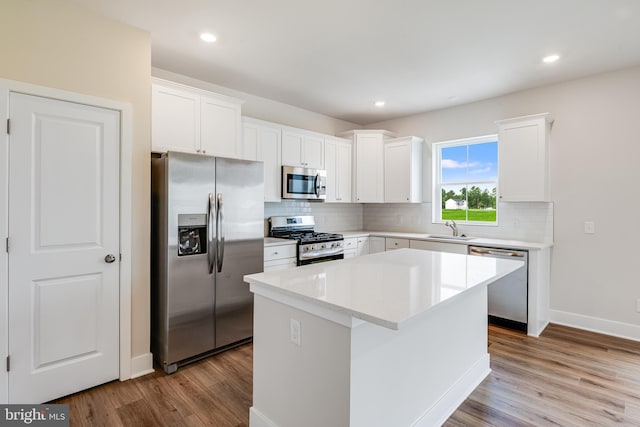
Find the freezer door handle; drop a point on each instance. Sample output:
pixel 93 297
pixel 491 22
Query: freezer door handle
pixel 219 235
pixel 210 253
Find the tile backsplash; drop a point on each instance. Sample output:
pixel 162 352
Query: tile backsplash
pixel 531 222
pixel 329 216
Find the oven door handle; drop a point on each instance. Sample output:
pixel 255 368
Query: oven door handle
pixel 324 252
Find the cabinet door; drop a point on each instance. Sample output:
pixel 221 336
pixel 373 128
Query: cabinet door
pixel 397 168
pixel 369 168
pixel 262 143
pixel 338 166
pixel 376 244
pixel 292 148
pixel 175 120
pixel 313 152
pixel 343 179
pixel 393 243
pixel 363 246
pixel 250 141
pixel 524 159
pixel 331 165
pixel 269 153
pixel 220 127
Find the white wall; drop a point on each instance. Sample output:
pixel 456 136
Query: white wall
pixel 594 154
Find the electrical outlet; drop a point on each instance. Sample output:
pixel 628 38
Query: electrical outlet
pixel 294 331
pixel 638 305
pixel 589 227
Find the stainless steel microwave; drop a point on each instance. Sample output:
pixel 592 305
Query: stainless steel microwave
pixel 304 183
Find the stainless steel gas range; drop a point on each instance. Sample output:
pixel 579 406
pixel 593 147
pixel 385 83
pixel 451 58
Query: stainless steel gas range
pixel 312 246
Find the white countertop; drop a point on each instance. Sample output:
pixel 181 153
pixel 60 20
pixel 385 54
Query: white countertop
pixel 386 288
pixel 474 241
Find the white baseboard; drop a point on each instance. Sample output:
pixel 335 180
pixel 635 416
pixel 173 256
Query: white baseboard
pixel 449 402
pixel 141 365
pixel 594 324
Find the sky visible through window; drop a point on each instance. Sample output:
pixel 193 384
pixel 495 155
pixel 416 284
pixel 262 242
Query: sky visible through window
pixel 481 165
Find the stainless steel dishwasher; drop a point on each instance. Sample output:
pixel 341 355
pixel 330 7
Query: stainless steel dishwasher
pixel 508 295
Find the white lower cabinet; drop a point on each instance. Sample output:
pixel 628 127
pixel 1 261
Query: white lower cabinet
pixel 376 244
pixel 350 247
pixel 279 257
pixel 393 243
pixel 363 246
pixel 454 248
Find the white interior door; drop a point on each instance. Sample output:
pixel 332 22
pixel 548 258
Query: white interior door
pixel 63 225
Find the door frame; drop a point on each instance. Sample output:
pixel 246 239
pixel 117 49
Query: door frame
pixel 126 166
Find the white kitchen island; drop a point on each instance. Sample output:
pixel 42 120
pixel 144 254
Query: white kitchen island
pixel 390 339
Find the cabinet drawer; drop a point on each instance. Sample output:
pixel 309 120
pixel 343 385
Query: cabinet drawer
pixel 350 243
pixel 280 264
pixel 391 243
pixel 279 252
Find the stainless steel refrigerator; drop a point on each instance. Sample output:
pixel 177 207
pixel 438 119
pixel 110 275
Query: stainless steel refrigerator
pixel 207 233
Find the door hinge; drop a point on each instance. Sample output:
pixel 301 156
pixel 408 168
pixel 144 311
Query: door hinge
pixel 7 245
pixel 8 126
pixel 8 363
pixel 120 258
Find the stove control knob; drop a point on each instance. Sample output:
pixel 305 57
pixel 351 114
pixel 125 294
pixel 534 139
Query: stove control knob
pixel 323 246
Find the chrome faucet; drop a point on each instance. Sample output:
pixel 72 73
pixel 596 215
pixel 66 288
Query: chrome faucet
pixel 454 227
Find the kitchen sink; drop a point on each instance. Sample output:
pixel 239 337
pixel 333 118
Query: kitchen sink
pixel 448 237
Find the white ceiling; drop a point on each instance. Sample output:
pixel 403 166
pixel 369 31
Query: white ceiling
pixel 338 57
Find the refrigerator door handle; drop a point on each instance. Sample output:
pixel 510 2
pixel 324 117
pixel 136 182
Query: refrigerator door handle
pixel 210 208
pixel 219 235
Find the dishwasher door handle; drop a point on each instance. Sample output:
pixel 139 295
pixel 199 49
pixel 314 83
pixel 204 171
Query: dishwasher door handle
pixel 495 252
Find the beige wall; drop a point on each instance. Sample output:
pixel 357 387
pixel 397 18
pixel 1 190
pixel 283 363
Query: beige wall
pixel 595 175
pixel 51 43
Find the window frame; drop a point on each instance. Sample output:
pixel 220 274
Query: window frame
pixel 436 210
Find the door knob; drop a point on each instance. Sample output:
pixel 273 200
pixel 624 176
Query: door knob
pixel 109 258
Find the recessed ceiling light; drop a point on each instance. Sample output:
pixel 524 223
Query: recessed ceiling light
pixel 208 37
pixel 550 58
pixel 379 104
pixel 453 98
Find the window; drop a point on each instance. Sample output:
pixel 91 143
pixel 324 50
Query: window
pixel 465 176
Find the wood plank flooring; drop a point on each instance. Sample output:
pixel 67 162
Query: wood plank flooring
pixel 567 377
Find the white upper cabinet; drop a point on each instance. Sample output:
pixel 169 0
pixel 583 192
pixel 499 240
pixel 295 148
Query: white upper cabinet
pixel 262 141
pixel 523 153
pixel 369 164
pixel 193 120
pixel 338 158
pixel 302 148
pixel 175 124
pixel 220 126
pixel 403 170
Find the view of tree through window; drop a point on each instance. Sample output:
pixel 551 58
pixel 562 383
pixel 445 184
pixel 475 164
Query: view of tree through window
pixel 466 180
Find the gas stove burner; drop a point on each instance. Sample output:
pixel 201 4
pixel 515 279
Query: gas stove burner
pixel 312 246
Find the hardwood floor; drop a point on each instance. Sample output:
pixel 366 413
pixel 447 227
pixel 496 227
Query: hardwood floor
pixel 567 377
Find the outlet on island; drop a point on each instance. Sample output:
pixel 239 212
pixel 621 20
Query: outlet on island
pixel 294 331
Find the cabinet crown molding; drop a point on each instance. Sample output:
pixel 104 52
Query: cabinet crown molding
pixel 195 90
pixel 546 116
